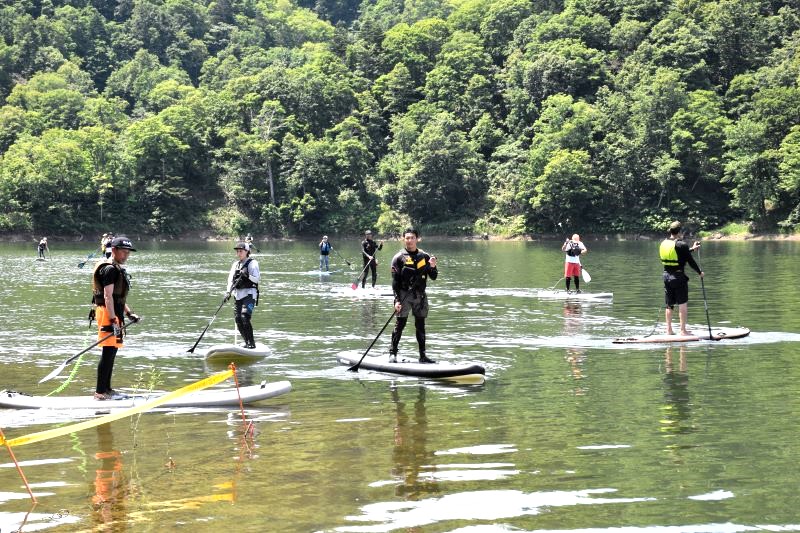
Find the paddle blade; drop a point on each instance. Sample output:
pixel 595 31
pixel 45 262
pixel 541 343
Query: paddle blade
pixel 586 277
pixel 354 286
pixel 54 373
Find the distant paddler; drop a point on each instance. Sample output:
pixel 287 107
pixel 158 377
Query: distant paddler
pixel 42 248
pixel 105 244
pixel 574 249
pixel 675 253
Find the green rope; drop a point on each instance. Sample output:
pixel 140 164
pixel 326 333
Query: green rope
pixel 74 367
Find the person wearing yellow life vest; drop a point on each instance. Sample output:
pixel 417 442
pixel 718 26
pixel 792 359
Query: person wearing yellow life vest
pixel 675 253
pixel 243 280
pixel 110 286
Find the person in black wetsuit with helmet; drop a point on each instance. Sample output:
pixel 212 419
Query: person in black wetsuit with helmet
pixel 368 249
pixel 675 253
pixel 411 268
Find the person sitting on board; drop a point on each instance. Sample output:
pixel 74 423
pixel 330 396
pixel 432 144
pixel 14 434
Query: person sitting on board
pixel 368 249
pixel 243 282
pixel 675 253
pixel 324 252
pixel 42 247
pixel 574 248
pixel 411 268
pixel 110 286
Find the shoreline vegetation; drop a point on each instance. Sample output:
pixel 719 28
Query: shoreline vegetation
pixel 722 234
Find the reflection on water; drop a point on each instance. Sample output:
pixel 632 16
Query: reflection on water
pixel 569 433
pixel 111 488
pixel 410 453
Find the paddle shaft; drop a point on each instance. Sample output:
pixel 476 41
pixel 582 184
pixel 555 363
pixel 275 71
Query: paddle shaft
pixel 705 300
pixel 82 263
pixel 354 285
pixel 191 350
pixel 340 257
pixel 58 370
pixel 354 368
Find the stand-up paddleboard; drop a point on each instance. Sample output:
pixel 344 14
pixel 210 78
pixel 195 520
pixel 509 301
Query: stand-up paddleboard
pixel 717 334
pixel 230 352
pixel 41 259
pixel 557 294
pixel 466 373
pixel 202 398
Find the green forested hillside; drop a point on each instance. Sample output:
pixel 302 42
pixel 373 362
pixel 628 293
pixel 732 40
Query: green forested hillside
pixel 295 116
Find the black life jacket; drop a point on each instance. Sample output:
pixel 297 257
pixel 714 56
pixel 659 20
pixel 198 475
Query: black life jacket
pixel 245 282
pixel 574 249
pixel 121 286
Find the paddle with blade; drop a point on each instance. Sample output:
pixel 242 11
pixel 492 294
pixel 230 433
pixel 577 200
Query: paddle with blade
pixel 585 274
pixel 705 300
pixel 63 365
pixel 225 299
pixel 342 258
pixel 88 257
pixel 354 285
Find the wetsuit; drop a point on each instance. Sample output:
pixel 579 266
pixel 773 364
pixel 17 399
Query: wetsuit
pixel 243 282
pixel 674 256
pixel 368 249
pixel 410 273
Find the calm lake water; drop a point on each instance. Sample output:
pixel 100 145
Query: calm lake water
pixel 570 432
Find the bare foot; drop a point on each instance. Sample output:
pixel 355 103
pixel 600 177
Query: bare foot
pixel 670 332
pixel 686 334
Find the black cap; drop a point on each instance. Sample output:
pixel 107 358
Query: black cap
pixel 241 246
pixel 123 243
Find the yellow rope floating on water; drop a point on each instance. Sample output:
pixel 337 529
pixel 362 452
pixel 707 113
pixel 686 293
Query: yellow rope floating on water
pixel 66 430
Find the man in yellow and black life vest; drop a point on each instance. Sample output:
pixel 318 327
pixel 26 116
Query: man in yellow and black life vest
pixel 110 286
pixel 411 268
pixel 243 280
pixel 675 253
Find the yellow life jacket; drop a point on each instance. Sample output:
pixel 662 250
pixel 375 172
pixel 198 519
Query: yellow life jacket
pixel 669 256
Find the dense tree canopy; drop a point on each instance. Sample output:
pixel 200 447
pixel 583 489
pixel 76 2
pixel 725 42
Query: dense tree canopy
pixel 304 116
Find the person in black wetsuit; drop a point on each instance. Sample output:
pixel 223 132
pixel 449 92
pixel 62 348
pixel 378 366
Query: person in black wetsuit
pixel 368 249
pixel 411 268
pixel 675 253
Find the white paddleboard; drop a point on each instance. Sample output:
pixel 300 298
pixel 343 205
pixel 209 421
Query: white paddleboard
pixel 558 294
pixel 464 373
pixel 202 398
pixel 231 352
pixel 717 334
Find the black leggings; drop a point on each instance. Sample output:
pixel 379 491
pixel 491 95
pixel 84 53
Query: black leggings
pixel 419 325
pixel 105 368
pixel 577 282
pixel 374 268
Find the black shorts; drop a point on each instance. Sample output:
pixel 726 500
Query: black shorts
pixel 414 303
pixel 676 289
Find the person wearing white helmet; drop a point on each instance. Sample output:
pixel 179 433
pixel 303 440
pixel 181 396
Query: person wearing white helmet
pixel 243 280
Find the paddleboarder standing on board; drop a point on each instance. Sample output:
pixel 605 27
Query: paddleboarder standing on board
pixel 368 249
pixel 243 282
pixel 675 253
pixel 574 248
pixel 110 286
pixel 324 253
pixel 42 247
pixel 411 268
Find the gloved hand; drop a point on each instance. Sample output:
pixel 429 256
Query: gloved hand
pixel 227 296
pixel 133 317
pixel 116 329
